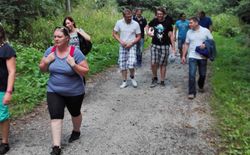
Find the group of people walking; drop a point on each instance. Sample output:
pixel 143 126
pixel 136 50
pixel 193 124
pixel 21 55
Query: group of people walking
pixel 192 33
pixel 67 65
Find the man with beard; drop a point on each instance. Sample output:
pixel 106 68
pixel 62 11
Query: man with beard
pixel 127 32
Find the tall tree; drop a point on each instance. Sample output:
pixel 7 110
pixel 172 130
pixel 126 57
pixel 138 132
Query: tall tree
pixel 68 5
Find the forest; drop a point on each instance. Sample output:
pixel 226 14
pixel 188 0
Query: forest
pixel 29 25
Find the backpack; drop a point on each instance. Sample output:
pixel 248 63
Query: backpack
pixel 85 45
pixel 71 53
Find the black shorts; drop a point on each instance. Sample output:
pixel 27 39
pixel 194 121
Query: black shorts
pixel 57 103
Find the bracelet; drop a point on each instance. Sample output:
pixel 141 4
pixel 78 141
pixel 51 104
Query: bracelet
pixel 9 91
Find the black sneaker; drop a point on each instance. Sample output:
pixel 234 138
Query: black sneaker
pixel 74 136
pixel 154 83
pixel 162 84
pixel 4 148
pixel 56 150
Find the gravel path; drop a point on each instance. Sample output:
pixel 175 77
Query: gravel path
pixel 130 121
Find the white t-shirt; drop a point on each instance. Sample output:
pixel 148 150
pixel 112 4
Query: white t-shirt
pixel 127 31
pixel 196 38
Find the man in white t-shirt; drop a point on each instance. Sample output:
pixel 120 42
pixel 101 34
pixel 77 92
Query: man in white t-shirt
pixel 127 32
pixel 196 37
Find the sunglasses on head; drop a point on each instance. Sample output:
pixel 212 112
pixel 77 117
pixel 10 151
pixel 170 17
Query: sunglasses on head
pixel 65 30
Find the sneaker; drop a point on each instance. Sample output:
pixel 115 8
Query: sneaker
pixel 124 84
pixel 162 84
pixel 56 150
pixel 134 83
pixel 4 148
pixel 74 136
pixel 191 96
pixel 154 83
pixel 201 90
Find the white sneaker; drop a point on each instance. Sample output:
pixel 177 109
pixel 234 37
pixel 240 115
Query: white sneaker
pixel 134 83
pixel 123 85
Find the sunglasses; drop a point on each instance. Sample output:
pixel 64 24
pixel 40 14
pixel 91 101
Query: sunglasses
pixel 65 30
pixel 62 28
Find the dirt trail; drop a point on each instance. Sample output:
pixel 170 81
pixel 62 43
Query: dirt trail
pixel 130 121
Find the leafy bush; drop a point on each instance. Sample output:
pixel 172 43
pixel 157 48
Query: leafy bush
pixel 226 24
pixel 231 89
pixel 244 37
pixel 40 35
pixel 30 83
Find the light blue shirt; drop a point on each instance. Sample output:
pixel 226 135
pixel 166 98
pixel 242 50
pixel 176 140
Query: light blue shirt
pixel 63 79
pixel 182 26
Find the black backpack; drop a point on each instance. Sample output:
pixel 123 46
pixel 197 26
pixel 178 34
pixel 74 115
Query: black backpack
pixel 85 45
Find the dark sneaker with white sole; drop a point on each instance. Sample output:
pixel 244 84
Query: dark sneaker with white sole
pixel 74 136
pixel 154 82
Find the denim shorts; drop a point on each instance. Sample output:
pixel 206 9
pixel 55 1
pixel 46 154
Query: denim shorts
pixel 4 109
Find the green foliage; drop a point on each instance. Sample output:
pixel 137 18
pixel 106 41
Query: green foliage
pixel 94 22
pixel 30 82
pixel 244 37
pixel 226 24
pixel 243 10
pixel 100 3
pixel 22 13
pixel 231 89
pixel 151 4
pixel 40 35
pixel 104 56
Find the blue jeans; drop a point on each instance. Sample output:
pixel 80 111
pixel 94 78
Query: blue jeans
pixel 202 67
pixel 139 50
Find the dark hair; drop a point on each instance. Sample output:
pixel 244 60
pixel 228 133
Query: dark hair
pixel 126 10
pixel 203 13
pixel 70 19
pixel 160 9
pixel 138 9
pixel 195 19
pixel 181 14
pixel 64 30
pixel 2 34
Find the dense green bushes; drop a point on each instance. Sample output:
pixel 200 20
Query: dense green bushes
pixel 231 89
pixel 230 25
pixel 30 83
pixel 226 24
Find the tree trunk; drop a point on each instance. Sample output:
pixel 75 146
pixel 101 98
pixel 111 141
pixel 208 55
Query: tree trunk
pixel 68 6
